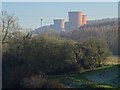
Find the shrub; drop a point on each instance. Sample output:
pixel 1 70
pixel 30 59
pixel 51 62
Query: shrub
pixel 36 81
pixel 91 53
pixel 54 84
pixel 40 81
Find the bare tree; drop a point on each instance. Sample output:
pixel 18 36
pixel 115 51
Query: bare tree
pixel 9 26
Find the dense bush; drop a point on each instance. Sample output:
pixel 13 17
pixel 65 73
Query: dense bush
pixel 25 57
pixel 91 53
pixel 50 54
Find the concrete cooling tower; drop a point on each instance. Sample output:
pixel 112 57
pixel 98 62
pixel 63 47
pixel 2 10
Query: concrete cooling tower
pixel 59 24
pixel 75 20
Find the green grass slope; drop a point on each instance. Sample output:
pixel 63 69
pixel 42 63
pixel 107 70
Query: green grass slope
pixel 109 75
pixel 104 77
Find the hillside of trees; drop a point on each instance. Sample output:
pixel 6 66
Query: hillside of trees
pixel 106 29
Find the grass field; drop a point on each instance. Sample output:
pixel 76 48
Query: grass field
pixel 104 77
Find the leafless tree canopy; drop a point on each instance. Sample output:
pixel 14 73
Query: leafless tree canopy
pixel 9 26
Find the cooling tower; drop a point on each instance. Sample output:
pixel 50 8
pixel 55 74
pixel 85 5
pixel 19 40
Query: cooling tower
pixel 59 24
pixel 84 19
pixel 75 20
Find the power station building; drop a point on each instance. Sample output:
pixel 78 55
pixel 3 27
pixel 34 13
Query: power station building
pixel 59 24
pixel 76 19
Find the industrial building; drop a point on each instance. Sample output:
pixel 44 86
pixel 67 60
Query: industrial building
pixel 76 19
pixel 59 24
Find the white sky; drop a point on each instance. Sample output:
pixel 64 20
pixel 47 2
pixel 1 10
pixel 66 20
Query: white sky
pixel 60 1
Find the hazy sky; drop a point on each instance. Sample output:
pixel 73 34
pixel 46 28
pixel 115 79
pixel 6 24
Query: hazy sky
pixel 29 14
pixel 60 0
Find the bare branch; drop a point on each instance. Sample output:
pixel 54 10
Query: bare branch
pixel 9 24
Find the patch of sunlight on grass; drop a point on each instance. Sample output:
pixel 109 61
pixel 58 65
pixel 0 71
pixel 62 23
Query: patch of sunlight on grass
pixel 112 60
pixel 103 86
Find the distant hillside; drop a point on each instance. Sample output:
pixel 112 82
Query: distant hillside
pixel 105 29
pixel 91 23
pixel 42 29
pixel 107 20
pixel 101 24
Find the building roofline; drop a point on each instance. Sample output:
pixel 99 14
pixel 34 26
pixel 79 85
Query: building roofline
pixel 84 15
pixel 58 19
pixel 75 12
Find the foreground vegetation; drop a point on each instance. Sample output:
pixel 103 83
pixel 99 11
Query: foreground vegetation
pixel 50 55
